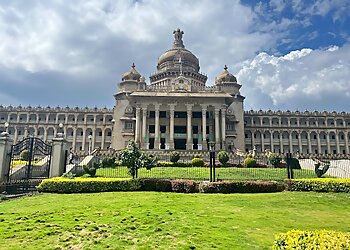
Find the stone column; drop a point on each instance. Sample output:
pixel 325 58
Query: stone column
pixel 253 139
pixel 281 139
pixel 346 134
pixel 5 157
pixel 59 146
pixel 93 130
pixel 16 135
pixel 137 126
pixel 217 129
pixel 103 139
pixel 144 127
pixel 262 141
pixel 300 144
pixel 337 142
pixel 328 143
pixel 204 127
pixel 74 139
pixel 45 134
pixel 290 140
pixel 319 149
pixel 156 132
pixel 189 142
pixel 84 139
pixel 309 142
pixel 271 141
pixel 171 125
pixel 223 128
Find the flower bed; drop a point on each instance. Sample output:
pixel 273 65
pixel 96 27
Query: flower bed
pixel 319 185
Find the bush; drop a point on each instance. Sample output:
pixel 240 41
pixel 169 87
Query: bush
pixel 197 162
pixel 319 185
pixel 240 187
pixel 223 157
pixel 108 162
pixel 91 170
pixel 249 162
pixel 197 156
pixel 24 155
pixel 275 159
pixel 164 164
pixel 87 185
pixel 160 185
pixel 174 157
pixel 183 186
pixel 324 239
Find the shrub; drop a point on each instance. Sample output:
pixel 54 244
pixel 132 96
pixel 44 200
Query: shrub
pixel 275 159
pixel 249 162
pixel 164 164
pixel 240 187
pixel 197 162
pixel 183 186
pixel 174 157
pixel 321 171
pixel 324 239
pixel 108 162
pixel 24 155
pixel 319 185
pixel 87 185
pixel 160 185
pixel 197 156
pixel 91 170
pixel 223 157
pixel 69 175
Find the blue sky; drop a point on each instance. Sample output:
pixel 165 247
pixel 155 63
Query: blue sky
pixel 288 55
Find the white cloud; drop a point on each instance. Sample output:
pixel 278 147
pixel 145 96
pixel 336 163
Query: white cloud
pixel 304 79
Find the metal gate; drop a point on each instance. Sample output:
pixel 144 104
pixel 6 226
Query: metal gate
pixel 29 164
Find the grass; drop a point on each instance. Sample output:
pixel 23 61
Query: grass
pixel 202 173
pixel 149 220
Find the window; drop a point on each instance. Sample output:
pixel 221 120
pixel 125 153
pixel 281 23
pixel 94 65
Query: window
pixel 246 135
pixel 180 114
pixel 100 133
pixel 315 137
pixel 128 125
pixel 195 130
pixel 163 129
pixel 152 114
pixel 109 133
pixel 151 129
pixel 90 133
pixel 81 133
pixel 196 114
pixel 162 114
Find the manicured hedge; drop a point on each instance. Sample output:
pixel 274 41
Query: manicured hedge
pixel 241 187
pixel 296 239
pixel 184 186
pixel 159 185
pixel 319 185
pixel 88 185
pixel 174 165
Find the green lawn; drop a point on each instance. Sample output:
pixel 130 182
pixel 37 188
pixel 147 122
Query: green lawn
pixel 149 220
pixel 203 173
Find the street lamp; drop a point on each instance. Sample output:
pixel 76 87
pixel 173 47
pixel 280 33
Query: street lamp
pixel 60 130
pixel 90 138
pixel 212 160
pixel 6 133
pixel 110 144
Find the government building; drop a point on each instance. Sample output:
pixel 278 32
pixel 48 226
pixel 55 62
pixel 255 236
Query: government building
pixel 177 110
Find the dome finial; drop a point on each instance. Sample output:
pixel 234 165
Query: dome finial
pixel 133 65
pixel 178 38
pixel 225 68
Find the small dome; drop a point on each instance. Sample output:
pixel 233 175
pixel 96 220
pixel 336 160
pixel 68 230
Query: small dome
pixel 225 76
pixel 132 74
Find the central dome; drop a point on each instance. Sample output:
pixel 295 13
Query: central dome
pixel 178 56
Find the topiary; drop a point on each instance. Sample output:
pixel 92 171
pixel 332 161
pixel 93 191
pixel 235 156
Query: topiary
pixel 24 155
pixel 197 162
pixel 174 157
pixel 250 162
pixel 223 157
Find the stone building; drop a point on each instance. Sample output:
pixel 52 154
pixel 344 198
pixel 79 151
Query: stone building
pixel 177 110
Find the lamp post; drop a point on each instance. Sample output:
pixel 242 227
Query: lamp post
pixel 90 138
pixel 212 160
pixel 111 143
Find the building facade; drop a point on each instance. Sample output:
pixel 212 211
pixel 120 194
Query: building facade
pixel 177 110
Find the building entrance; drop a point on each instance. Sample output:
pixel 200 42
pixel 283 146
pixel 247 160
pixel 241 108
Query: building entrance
pixel 180 144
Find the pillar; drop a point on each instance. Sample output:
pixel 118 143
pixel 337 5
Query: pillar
pixel 59 146
pixel 217 132
pixel 156 131
pixel 337 142
pixel 144 127
pixel 309 142
pixel 328 143
pixel 171 125
pixel 223 128
pixel 204 127
pixel 299 142
pixel 103 139
pixel 271 141
pixel 290 140
pixel 137 126
pixel 262 140
pixel 346 142
pixel 5 157
pixel 281 139
pixel 319 149
pixel 189 142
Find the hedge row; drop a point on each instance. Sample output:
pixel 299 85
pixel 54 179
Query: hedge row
pixel 206 164
pixel 88 185
pixel 319 185
pixel 296 239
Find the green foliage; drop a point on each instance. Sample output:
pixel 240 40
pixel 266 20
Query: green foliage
pixel 133 158
pixel 69 175
pixel 240 187
pixel 249 162
pixel 197 162
pixel 321 171
pixel 162 164
pixel 174 157
pixel 184 186
pixel 91 170
pixel 323 239
pixel 197 156
pixel 319 185
pixel 160 185
pixel 223 157
pixel 108 162
pixel 24 155
pixel 275 159
pixel 87 185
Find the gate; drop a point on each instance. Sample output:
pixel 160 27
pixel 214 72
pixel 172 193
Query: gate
pixel 29 164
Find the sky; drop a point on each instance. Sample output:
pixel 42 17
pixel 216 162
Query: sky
pixel 286 54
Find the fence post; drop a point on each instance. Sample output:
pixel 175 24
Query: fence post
pixel 5 155
pixel 57 166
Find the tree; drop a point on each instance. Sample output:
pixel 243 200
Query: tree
pixel 275 159
pixel 133 158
